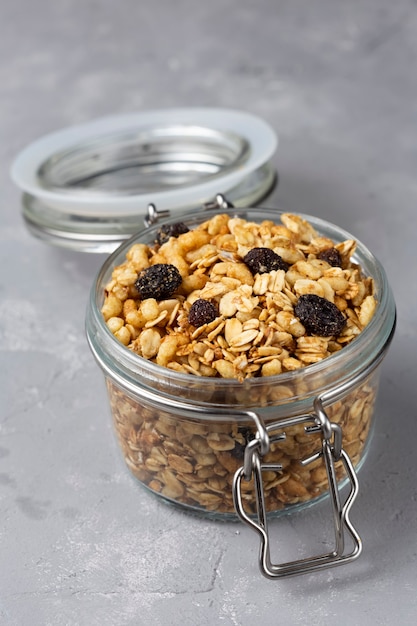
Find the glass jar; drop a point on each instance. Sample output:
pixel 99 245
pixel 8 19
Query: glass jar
pixel 195 441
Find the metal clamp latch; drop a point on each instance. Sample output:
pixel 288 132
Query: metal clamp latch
pixel 153 215
pixel 331 451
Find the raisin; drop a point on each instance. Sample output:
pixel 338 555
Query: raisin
pixel 170 230
pixel 158 281
pixel 262 260
pixel 239 450
pixel 331 256
pixel 319 316
pixel 202 312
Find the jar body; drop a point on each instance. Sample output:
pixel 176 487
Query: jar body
pixel 184 436
pixel 191 460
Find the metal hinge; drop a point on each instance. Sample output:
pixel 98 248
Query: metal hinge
pixel 331 451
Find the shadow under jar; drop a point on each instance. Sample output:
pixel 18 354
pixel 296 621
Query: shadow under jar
pixel 185 437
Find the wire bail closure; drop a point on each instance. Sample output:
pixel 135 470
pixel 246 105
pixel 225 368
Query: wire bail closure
pixel 154 215
pixel 331 451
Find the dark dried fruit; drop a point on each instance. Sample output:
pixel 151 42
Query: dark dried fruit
pixel 202 312
pixel 331 256
pixel 319 316
pixel 170 230
pixel 239 450
pixel 262 260
pixel 158 281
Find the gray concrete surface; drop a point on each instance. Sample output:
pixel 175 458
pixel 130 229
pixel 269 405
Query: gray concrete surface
pixel 80 542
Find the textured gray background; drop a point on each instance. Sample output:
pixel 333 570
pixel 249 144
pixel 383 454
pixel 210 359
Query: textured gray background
pixel 80 542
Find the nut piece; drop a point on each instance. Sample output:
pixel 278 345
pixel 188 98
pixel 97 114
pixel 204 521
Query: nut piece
pixel 150 342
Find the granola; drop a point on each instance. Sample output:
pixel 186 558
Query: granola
pixel 253 278
pixel 233 315
pixel 192 463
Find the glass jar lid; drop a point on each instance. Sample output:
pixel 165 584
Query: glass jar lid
pixel 88 187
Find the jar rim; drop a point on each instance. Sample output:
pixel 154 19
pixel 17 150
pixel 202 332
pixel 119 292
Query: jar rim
pixel 354 357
